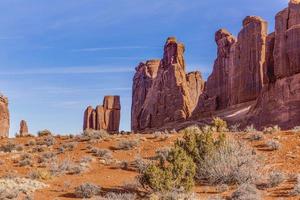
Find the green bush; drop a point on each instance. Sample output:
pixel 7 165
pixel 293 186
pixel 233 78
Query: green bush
pixel 177 172
pixel 220 124
pixel 44 133
pixel 199 143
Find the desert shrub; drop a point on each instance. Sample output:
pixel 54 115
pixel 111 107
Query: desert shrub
pixel 235 128
pixel 65 167
pixel 8 193
pixel 199 143
pixel 246 192
pixel 162 154
pixel 296 129
pixel 40 174
pixel 275 178
pixel 87 190
pixel 231 163
pixel 49 141
pixel 44 133
pixel 140 164
pixel 8 147
pixel 31 143
pixel 127 144
pixel 95 134
pixel 219 124
pixel 250 129
pixel 222 188
pixel 19 147
pixel 46 157
pixel 25 160
pixel 104 153
pixel 119 196
pixel 273 145
pixel 67 147
pixel 256 136
pixel 272 129
pixel 38 149
pixel 86 159
pixel 296 189
pixel 176 173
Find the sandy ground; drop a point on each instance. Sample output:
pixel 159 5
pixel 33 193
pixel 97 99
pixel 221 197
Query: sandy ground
pixel 112 178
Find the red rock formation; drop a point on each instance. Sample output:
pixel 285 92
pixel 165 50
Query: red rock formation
pixel 249 58
pixel 142 82
pixel 287 41
pixel 23 129
pixel 167 94
pixel 104 117
pixel 4 117
pixel 217 88
pixel 255 79
pixel 279 102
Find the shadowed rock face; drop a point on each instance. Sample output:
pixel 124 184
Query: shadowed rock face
pixel 23 129
pixel 237 75
pixel 162 91
pixel 4 117
pixel 143 80
pixel 104 117
pixel 280 98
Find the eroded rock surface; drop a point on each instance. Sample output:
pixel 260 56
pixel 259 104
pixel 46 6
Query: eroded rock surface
pixel 167 94
pixel 104 117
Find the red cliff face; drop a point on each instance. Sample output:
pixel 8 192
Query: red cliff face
pixel 104 117
pixel 237 75
pixel 166 95
pixel 255 79
pixel 142 82
pixel 4 117
pixel 279 102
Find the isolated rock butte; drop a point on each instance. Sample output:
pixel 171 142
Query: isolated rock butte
pixel 23 129
pixel 104 117
pixel 162 91
pixel 4 117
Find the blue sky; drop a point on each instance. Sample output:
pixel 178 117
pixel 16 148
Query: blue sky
pixel 59 56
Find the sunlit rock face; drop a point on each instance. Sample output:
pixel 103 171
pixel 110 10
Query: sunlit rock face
pixel 4 117
pixel 105 116
pixel 162 90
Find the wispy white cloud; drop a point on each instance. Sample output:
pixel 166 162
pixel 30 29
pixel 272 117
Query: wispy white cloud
pixel 112 48
pixel 69 70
